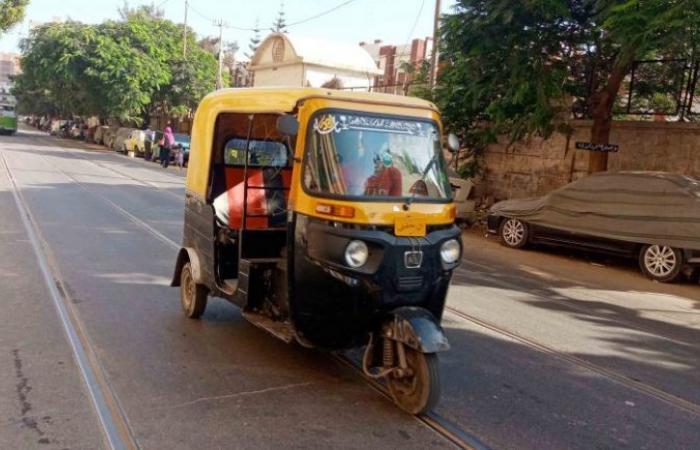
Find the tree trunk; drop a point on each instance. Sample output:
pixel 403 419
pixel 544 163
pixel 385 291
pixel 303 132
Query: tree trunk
pixel 601 112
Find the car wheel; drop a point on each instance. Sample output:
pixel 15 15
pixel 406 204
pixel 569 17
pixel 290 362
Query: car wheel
pixel 661 262
pixel 514 233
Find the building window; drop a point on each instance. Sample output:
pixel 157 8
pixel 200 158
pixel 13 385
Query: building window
pixel 278 50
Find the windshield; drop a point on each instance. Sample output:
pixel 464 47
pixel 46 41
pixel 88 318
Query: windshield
pixel 360 155
pixel 260 153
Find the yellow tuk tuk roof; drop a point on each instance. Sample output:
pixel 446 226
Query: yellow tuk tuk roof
pixel 285 99
pixel 270 100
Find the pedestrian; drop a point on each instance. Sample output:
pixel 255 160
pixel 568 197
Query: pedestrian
pixel 168 142
pixel 180 157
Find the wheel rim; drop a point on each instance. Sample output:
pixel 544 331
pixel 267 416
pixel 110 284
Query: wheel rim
pixel 660 260
pixel 411 392
pixel 513 232
pixel 187 286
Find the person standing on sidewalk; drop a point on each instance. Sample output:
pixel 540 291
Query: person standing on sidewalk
pixel 168 142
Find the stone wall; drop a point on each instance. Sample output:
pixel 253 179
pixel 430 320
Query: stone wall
pixel 535 166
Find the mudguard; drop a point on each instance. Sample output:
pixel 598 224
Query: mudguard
pixel 187 254
pixel 417 328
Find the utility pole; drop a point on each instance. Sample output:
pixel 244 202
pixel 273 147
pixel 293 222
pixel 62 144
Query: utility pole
pixel 436 45
pixel 184 31
pixel 219 78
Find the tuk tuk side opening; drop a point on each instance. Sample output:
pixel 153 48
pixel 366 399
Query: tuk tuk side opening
pixel 249 186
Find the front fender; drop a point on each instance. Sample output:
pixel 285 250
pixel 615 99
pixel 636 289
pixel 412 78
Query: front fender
pixel 418 329
pixel 187 254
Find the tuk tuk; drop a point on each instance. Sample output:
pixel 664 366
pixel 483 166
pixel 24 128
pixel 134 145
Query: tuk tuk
pixel 327 217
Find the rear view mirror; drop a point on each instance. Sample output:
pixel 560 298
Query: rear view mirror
pixel 287 125
pixel 452 142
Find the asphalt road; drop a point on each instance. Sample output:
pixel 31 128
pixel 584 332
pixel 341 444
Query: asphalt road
pixel 549 350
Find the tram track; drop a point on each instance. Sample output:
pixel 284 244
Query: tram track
pixel 527 287
pixel 116 431
pixel 623 380
pixel 435 422
pixel 432 420
pixel 119 172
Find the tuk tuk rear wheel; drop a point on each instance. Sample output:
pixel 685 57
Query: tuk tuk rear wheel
pixel 419 392
pixel 193 296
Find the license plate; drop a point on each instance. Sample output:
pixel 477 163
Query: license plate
pixel 410 226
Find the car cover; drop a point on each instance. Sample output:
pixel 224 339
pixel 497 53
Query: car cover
pixel 643 207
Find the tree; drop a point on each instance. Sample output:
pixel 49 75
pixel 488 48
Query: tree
pixel 254 41
pixel 118 69
pixel 11 12
pixel 151 11
pixel 417 81
pixel 517 67
pixel 280 23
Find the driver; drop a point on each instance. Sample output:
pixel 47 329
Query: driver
pixel 352 163
pixel 386 180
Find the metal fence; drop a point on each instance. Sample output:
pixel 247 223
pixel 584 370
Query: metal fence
pixel 665 87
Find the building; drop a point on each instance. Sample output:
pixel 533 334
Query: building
pixel 391 59
pixel 287 60
pixel 9 67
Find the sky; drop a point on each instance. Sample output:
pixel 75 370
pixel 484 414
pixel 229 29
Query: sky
pixel 393 21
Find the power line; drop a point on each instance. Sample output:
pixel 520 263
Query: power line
pixel 200 14
pixel 328 11
pixel 299 22
pixel 413 29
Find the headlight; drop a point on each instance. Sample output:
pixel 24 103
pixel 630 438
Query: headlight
pixel 449 251
pixel 356 254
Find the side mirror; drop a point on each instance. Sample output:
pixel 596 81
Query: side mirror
pixel 452 142
pixel 287 125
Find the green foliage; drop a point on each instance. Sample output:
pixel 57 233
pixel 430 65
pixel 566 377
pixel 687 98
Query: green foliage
pixel 254 41
pixel 118 69
pixel 280 23
pixel 419 85
pixel 11 12
pixel 517 67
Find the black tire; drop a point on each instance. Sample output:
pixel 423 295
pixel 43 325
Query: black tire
pixel 661 263
pixel 420 392
pixel 514 233
pixel 193 296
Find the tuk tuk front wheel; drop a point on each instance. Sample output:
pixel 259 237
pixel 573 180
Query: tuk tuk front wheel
pixel 193 296
pixel 419 391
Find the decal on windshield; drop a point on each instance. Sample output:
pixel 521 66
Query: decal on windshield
pixel 329 123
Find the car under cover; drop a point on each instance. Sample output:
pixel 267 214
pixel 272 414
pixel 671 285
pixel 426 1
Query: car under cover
pixel 642 207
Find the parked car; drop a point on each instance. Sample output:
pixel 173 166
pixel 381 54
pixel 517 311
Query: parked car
pixel 465 206
pixel 651 216
pixel 109 135
pixel 55 126
pixel 155 147
pixel 120 138
pixel 99 134
pixel 135 144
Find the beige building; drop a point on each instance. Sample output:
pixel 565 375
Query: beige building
pixel 286 60
pixel 9 66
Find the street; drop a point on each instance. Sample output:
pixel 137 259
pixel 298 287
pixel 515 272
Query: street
pixel 548 351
